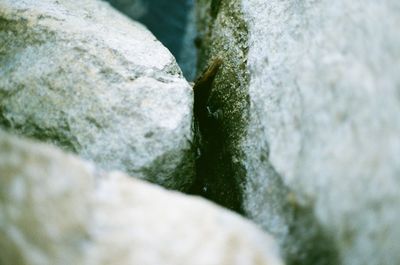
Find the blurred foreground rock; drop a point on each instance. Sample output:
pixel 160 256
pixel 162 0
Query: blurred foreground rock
pixel 56 209
pixel 84 77
pixel 307 105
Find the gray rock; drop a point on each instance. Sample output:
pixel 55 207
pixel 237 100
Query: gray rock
pixel 56 209
pixel 320 149
pixel 86 78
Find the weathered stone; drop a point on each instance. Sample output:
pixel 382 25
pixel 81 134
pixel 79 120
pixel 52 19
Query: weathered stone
pixel 84 77
pixel 318 141
pixel 56 209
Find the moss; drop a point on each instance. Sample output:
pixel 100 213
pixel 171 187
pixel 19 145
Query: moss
pixel 220 174
pixel 214 8
pixel 220 170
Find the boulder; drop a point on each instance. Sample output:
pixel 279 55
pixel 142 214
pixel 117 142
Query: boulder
pixel 57 209
pixel 82 76
pixel 309 100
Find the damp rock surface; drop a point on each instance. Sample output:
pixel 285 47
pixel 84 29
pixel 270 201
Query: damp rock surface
pixel 319 153
pixel 222 38
pixel 82 76
pixel 57 209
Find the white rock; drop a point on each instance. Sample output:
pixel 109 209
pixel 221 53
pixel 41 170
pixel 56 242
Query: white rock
pixel 56 209
pixel 82 76
pixel 324 125
pixel 325 80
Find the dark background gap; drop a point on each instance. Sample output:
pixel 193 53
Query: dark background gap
pixel 172 22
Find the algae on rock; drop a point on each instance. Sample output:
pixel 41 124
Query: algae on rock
pixel 312 128
pixel 227 106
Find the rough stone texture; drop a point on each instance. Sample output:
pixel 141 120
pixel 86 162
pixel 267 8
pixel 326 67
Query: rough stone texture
pixel 56 209
pixel 84 77
pixel 321 146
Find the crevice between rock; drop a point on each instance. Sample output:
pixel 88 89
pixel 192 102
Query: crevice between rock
pixel 221 173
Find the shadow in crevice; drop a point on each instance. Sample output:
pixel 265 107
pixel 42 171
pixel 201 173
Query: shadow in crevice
pixel 214 168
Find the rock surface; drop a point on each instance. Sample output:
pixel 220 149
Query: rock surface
pixel 319 152
pixel 86 78
pixel 56 209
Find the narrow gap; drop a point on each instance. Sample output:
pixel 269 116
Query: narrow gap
pixel 214 172
pixel 173 23
pixel 221 107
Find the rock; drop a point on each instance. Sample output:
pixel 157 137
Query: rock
pixel 84 77
pixel 172 22
pixel 315 148
pixel 57 209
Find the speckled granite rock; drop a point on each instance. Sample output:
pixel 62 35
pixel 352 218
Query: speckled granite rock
pixel 86 78
pixel 312 134
pixel 56 209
